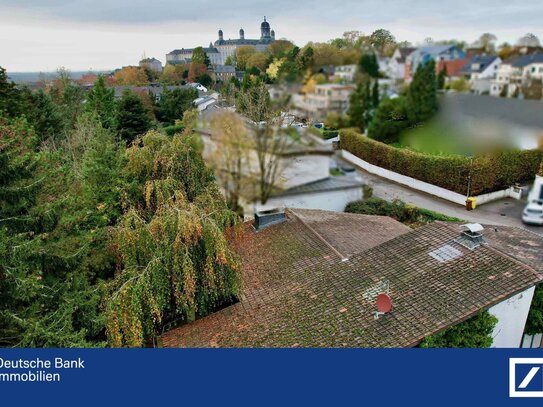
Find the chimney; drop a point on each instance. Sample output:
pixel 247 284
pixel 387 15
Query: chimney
pixel 471 236
pixel 263 219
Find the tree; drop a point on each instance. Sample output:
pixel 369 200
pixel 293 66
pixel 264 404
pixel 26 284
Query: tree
pixel 243 54
pixel 200 57
pixel 476 332
pixel 380 39
pixel 280 48
pixel 362 104
pixel 229 60
pixel 45 116
pixel 205 80
pixel 174 260
pixel 174 102
pixel 390 119
pixel 132 117
pixel 529 40
pixel 487 42
pixel 196 71
pixel 441 77
pixel 422 95
pixel 101 100
pixel 230 156
pixel 172 74
pixel 131 76
pixel 326 55
pixel 8 95
pixel 534 323
pixel 368 65
pixel 269 143
pixel 258 60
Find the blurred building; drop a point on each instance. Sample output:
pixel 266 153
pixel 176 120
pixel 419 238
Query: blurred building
pixel 423 55
pixel 326 98
pixel 517 73
pixel 481 70
pixel 151 63
pixel 345 73
pixel 396 64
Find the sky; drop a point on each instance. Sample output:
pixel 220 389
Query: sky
pixel 42 35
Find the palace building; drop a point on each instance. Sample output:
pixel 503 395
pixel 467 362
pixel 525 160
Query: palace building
pixel 221 49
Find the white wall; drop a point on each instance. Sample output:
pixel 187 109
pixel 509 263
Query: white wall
pixel 426 187
pixel 512 314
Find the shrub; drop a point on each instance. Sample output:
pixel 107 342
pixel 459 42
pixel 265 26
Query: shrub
pixel 328 134
pixel 485 173
pixel 172 130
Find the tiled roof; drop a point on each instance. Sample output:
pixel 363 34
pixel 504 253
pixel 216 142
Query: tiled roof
pixel 298 292
pixel 454 66
pixel 524 60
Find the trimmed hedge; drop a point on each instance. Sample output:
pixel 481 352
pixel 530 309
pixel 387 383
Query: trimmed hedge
pixel 488 173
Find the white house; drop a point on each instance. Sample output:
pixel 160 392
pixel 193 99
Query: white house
pixel 345 73
pixel 514 73
pixel 395 68
pixel 481 70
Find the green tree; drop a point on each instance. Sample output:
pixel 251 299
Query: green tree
pixel 368 65
pixel 174 102
pixel 360 106
pixel 200 57
pixel 476 332
pixel 8 95
pixel 534 323
pixel 132 117
pixel 441 77
pixel 102 101
pixel 391 118
pixel 422 94
pixel 43 114
pixel 380 39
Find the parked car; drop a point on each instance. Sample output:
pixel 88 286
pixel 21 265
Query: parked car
pixel 533 214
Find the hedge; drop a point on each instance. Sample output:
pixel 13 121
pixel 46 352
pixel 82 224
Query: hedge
pixel 489 173
pixel 174 129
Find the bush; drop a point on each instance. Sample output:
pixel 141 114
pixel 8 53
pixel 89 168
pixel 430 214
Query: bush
pixel 397 210
pixel 389 121
pixel 476 332
pixel 172 130
pixel 488 173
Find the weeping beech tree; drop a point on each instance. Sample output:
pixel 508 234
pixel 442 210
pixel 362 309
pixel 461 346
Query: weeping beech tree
pixel 174 258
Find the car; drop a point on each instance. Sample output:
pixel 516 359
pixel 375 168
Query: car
pixel 533 214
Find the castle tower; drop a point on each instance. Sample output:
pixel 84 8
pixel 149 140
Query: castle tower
pixel 221 37
pixel 273 35
pixel 265 29
pixel 241 34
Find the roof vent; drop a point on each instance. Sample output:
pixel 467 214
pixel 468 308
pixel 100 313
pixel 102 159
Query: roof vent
pixel 472 236
pixel 263 219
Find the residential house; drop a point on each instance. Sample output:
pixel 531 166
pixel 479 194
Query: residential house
pixel 423 55
pixel 481 70
pixel 452 67
pixel 223 73
pixel 516 73
pixel 311 279
pixel 151 63
pixel 345 73
pixel 396 65
pixel 326 98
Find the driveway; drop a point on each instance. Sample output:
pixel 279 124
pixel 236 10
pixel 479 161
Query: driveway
pixel 505 212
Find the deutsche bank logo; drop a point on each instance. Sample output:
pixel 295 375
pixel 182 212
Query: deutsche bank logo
pixel 526 377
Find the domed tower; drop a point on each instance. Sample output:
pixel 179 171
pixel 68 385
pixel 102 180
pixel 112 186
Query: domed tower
pixel 265 30
pixel 241 34
pixel 273 35
pixel 221 36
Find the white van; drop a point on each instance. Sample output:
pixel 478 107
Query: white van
pixel 533 212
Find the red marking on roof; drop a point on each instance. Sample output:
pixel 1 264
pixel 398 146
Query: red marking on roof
pixel 384 303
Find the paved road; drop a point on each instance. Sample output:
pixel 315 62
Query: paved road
pixel 503 212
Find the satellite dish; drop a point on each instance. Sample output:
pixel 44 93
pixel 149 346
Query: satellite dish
pixel 384 303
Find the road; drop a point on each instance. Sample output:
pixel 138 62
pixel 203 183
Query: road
pixel 505 212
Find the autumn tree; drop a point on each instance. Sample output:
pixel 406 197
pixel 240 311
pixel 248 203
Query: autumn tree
pixel 258 60
pixel 196 71
pixel 267 139
pixel 381 39
pixel 230 157
pixel 243 54
pixel 200 57
pixel 131 76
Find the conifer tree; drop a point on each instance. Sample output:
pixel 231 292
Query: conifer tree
pixel 102 101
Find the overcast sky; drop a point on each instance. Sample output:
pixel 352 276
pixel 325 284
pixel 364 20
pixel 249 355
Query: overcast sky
pixel 41 35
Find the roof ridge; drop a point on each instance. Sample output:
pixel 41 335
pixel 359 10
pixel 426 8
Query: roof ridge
pixel 318 235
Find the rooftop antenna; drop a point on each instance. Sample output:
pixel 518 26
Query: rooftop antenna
pixel 383 304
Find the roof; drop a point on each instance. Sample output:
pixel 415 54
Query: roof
pixel 224 69
pixel 209 50
pixel 525 60
pixel 299 292
pixel 404 52
pixel 478 63
pixel 325 185
pixel 454 66
pixel 431 50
